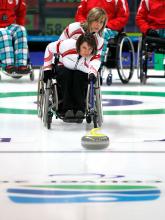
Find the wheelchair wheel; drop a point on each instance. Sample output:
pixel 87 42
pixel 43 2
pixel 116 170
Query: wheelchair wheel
pixel 49 119
pixel 125 58
pixel 98 105
pixel 55 98
pixel 91 109
pixel 95 125
pixel 49 103
pixel 94 105
pixel 139 48
pixel 143 63
pixel 88 119
pixel 143 79
pixel 46 115
pixel 143 68
pixel 109 79
pixel 40 94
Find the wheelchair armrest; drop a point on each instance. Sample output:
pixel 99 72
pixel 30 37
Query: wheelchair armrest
pixel 156 40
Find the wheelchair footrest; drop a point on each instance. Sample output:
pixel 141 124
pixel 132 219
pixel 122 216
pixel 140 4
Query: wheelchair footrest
pixel 73 120
pixel 16 74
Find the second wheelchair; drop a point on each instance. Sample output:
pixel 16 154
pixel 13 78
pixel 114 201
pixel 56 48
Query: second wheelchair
pixel 148 48
pixel 120 55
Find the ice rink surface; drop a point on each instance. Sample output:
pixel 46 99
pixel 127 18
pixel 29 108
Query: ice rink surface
pixel 47 174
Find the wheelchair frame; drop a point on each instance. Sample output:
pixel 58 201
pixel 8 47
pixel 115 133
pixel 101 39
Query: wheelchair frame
pixel 48 102
pixel 146 46
pixel 118 45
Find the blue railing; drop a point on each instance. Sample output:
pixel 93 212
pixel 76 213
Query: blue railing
pixel 35 38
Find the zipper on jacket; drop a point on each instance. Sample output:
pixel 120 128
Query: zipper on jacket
pixel 77 62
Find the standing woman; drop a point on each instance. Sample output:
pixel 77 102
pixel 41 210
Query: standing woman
pixel 117 13
pixel 95 23
pixel 13 36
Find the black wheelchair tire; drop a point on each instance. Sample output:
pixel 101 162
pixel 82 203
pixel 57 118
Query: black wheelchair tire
pixel 88 119
pixel 49 120
pixel 143 59
pixel 125 79
pixel 95 121
pixel 40 94
pixel 109 79
pixel 46 103
pixel 98 105
pixel 143 79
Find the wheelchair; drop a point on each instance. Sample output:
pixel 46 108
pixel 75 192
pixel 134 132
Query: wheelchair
pixel 148 47
pixel 49 101
pixel 121 56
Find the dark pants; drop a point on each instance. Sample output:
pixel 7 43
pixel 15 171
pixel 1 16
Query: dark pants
pixel 73 85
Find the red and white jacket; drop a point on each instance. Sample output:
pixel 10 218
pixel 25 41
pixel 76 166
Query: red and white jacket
pixel 74 30
pixel 151 15
pixel 69 57
pixel 12 12
pixel 117 12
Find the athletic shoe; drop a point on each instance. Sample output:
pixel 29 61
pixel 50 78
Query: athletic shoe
pixel 79 114
pixel 10 69
pixel 22 70
pixel 69 114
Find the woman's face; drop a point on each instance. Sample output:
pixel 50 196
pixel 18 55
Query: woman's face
pixel 85 49
pixel 96 26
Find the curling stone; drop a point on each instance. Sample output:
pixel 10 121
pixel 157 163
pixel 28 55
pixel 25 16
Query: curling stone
pixel 95 141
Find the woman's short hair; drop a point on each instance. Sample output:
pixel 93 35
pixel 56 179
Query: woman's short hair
pixel 89 38
pixel 96 14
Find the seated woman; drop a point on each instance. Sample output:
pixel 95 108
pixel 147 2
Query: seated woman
pixel 77 60
pixel 150 18
pixel 13 37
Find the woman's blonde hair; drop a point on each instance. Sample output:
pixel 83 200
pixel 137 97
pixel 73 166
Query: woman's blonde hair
pixel 95 14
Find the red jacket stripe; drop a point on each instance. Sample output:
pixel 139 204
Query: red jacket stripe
pixel 71 51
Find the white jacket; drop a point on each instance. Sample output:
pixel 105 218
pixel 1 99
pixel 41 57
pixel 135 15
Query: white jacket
pixel 70 58
pixel 74 30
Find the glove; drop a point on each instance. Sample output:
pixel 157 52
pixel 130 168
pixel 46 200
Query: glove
pixel 47 75
pixel 92 77
pixel 152 33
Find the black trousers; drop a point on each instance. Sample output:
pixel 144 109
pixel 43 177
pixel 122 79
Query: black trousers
pixel 73 85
